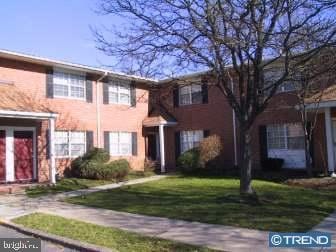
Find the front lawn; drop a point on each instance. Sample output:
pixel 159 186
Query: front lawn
pixel 64 185
pixel 72 184
pixel 216 200
pixel 113 238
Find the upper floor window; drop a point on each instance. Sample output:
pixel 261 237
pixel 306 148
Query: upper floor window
pixel 66 84
pixel 70 143
pixel 285 136
pixel 190 139
pixel 191 94
pixel 119 93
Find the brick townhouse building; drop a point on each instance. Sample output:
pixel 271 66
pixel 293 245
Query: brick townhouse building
pixel 52 111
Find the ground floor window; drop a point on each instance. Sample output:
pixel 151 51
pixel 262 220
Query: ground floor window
pixel 190 139
pixel 120 143
pixel 285 136
pixel 286 141
pixel 69 143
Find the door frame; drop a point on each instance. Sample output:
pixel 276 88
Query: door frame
pixel 10 164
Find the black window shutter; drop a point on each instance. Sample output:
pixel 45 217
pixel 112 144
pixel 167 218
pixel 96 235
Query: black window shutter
pixel 89 140
pixel 206 133
pixel 176 96
pixel 263 142
pixel 107 141
pixel 133 94
pixel 88 86
pixel 205 93
pixel 177 144
pixel 49 83
pixel 105 93
pixel 134 143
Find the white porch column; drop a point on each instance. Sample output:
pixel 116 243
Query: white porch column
pixel 52 171
pixel 162 150
pixel 330 140
pixel 10 173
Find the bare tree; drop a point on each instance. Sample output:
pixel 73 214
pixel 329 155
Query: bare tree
pixel 233 38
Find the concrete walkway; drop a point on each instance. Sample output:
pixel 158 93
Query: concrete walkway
pixel 219 237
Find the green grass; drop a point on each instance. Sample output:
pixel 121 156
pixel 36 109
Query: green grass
pixel 72 184
pixel 64 185
pixel 115 239
pixel 216 200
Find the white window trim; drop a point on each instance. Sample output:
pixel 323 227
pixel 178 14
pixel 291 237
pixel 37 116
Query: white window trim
pixel 119 154
pixel 69 144
pixel 187 131
pixel 83 74
pixel 118 85
pixel 190 92
pixel 284 126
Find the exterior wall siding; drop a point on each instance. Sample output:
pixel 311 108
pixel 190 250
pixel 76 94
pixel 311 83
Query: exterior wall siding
pixel 215 116
pixel 74 114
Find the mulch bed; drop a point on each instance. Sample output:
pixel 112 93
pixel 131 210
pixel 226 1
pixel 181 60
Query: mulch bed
pixel 313 183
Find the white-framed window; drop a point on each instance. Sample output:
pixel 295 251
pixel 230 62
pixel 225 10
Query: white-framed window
pixel 120 143
pixel 190 139
pixel 271 76
pixel 69 85
pixel 190 94
pixel 70 143
pixel 119 92
pixel 285 137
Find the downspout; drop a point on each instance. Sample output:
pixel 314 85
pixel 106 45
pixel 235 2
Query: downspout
pixel 98 110
pixel 234 132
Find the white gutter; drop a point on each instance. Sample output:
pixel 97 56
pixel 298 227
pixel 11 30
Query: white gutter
pixel 98 110
pixel 58 63
pixel 28 115
pixel 234 132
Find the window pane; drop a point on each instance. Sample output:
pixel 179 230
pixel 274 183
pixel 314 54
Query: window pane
pixel 190 139
pixel 296 143
pixel 114 149
pixel 197 98
pixel 276 137
pixel 61 90
pixel 120 143
pixel 61 143
pixel 77 149
pixel 77 92
pixel 125 89
pixel 125 99
pixel 61 150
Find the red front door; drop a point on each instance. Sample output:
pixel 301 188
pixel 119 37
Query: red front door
pixel 2 155
pixel 23 155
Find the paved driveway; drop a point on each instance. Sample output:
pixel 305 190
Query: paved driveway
pixel 46 246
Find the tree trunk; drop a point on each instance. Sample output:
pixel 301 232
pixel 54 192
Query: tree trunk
pixel 246 164
pixel 309 165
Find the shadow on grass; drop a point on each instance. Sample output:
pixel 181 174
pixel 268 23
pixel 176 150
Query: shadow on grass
pixel 216 200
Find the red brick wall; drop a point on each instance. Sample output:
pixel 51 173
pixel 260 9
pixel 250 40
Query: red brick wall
pixel 215 116
pixel 76 114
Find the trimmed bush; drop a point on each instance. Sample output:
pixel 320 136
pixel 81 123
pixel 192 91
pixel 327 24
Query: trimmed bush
pixel 88 169
pixel 97 154
pixel 272 164
pixel 117 170
pixel 188 161
pixel 209 151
